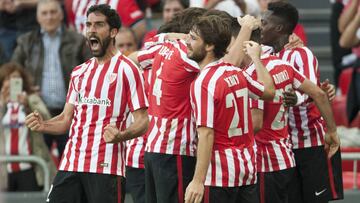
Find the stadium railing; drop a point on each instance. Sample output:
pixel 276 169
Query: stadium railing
pixel 34 159
pixel 355 157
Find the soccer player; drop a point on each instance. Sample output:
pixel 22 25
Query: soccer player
pixel 275 159
pixel 318 179
pixel 170 141
pixel 219 97
pixel 102 92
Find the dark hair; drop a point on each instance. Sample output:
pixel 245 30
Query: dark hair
pixel 184 3
pixel 187 18
pixel 214 30
pixel 112 18
pixel 288 14
pixel 8 68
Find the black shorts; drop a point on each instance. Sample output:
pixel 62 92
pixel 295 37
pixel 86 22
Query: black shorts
pixel 167 177
pixel 22 181
pixel 242 194
pixel 135 183
pixel 77 187
pixel 317 179
pixel 274 186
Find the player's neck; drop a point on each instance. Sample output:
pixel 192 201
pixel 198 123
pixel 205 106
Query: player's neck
pixel 209 58
pixel 281 42
pixel 110 52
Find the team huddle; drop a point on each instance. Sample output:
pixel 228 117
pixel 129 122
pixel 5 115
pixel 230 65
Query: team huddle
pixel 203 113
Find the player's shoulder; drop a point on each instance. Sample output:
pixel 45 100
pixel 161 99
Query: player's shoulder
pixel 77 70
pixel 301 52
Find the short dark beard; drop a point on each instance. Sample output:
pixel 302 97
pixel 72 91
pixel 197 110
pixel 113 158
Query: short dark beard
pixel 104 45
pixel 199 56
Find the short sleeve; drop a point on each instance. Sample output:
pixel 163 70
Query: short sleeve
pixel 256 89
pixel 202 102
pixel 134 84
pixel 71 94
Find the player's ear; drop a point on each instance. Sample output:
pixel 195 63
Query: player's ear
pixel 209 47
pixel 113 32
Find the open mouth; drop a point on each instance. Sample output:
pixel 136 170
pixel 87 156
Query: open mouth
pixel 94 43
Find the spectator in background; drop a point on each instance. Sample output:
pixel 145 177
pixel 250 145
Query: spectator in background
pixel 126 41
pixel 130 14
pixel 49 54
pixel 350 38
pixel 16 137
pixel 338 53
pixel 170 9
pixel 2 56
pixel 16 18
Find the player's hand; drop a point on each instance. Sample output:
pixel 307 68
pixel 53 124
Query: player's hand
pixel 294 42
pixel 35 122
pixel 112 134
pixel 332 143
pixel 249 21
pixel 329 89
pixel 252 49
pixel 194 192
pixel 290 98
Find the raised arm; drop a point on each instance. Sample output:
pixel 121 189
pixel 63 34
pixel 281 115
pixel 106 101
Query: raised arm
pixel 348 15
pixel 236 53
pixel 253 49
pixel 348 38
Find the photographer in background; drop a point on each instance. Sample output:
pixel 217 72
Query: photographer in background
pixel 16 100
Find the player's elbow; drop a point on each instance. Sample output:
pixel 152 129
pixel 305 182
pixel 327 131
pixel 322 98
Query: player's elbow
pixel 319 96
pixel 269 93
pixel 257 126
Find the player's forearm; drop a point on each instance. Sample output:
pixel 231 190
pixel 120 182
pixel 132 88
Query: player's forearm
pixel 347 16
pixel 348 38
pixel 134 57
pixel 138 127
pixel 264 77
pixel 324 107
pixel 204 152
pixel 236 53
pixel 57 125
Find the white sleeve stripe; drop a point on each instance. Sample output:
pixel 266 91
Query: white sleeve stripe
pixel 132 85
pixel 254 84
pixel 197 94
pixel 312 70
pixel 145 63
pixel 211 91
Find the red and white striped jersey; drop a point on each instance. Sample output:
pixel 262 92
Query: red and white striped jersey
pixel 128 11
pixel 274 151
pixel 219 99
pixel 102 94
pixel 171 128
pixel 306 126
pixel 17 140
pixel 135 148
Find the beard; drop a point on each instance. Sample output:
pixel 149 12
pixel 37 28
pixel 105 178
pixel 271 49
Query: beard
pixel 198 55
pixel 103 46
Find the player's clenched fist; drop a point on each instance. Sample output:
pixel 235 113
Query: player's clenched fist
pixel 35 122
pixel 112 134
